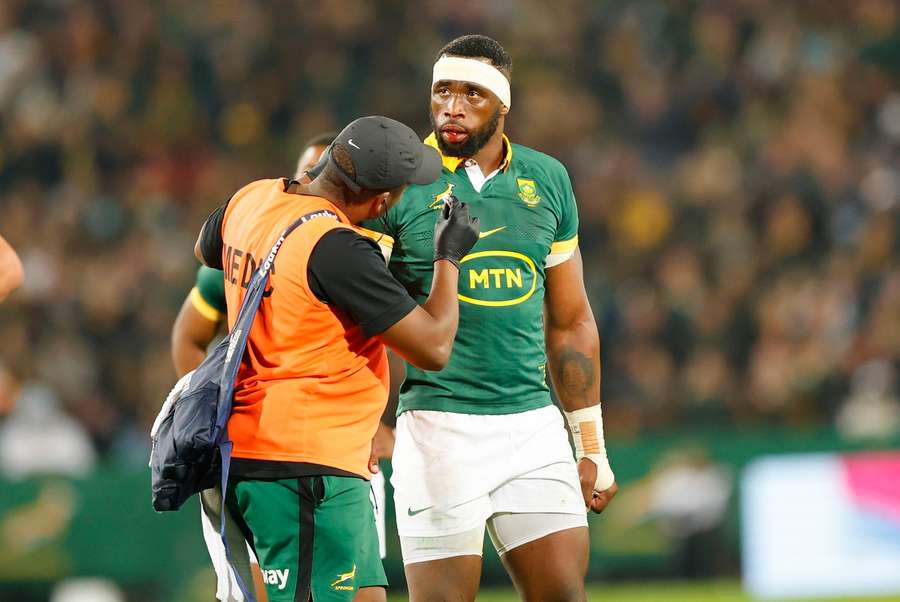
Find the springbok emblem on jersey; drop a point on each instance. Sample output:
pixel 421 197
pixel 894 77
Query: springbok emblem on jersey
pixel 440 198
pixel 528 192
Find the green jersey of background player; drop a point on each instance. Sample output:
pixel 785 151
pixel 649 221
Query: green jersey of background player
pixel 479 443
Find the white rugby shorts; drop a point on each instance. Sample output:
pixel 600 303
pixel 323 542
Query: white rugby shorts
pixel 453 472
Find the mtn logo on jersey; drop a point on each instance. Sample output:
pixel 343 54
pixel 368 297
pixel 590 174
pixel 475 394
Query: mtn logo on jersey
pixel 277 577
pixel 496 278
pixel 528 192
pixel 441 197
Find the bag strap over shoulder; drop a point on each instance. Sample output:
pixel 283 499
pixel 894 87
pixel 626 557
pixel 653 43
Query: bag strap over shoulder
pixel 247 313
pixel 237 344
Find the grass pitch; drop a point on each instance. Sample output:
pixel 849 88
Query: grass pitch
pixel 724 591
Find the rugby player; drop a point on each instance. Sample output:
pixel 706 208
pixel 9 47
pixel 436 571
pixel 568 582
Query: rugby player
pixel 11 273
pixel 314 381
pixel 480 444
pixel 201 318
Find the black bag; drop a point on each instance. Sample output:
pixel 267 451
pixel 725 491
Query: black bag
pixel 184 458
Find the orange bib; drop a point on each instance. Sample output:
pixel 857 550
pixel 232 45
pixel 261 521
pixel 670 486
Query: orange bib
pixel 312 387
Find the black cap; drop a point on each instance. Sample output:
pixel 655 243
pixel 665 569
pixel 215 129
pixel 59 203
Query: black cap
pixel 386 154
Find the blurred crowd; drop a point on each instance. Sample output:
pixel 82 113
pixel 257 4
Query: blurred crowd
pixel 737 166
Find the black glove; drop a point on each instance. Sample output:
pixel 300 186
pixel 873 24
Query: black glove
pixel 455 232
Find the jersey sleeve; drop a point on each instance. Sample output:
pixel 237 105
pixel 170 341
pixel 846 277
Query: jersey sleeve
pixel 566 239
pixel 208 294
pixel 211 238
pixel 347 271
pixel 386 229
pixel 378 235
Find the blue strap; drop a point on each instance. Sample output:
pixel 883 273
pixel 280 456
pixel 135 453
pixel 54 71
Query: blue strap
pixel 236 347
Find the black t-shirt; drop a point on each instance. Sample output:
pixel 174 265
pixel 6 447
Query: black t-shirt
pixel 345 270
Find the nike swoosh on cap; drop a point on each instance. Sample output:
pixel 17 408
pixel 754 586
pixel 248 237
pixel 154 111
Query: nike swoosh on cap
pixel 489 232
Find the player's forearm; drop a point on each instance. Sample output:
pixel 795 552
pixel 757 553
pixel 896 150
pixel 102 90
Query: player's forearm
pixel 573 357
pixel 443 307
pixel 191 335
pixel 186 356
pixel 424 338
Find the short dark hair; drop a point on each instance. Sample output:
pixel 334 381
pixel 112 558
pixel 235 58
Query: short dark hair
pixel 323 139
pixel 342 160
pixel 480 47
pixel 341 156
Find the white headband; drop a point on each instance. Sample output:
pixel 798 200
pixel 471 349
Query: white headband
pixel 456 68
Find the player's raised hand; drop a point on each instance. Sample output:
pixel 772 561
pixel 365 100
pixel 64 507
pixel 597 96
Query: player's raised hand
pixel 455 232
pixel 593 499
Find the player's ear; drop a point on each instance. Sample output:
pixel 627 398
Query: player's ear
pixel 378 206
pixel 504 109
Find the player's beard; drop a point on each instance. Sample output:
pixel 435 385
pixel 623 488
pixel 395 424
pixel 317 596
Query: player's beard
pixel 474 143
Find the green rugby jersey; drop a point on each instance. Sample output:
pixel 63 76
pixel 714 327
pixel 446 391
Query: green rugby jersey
pixel 208 294
pixel 528 213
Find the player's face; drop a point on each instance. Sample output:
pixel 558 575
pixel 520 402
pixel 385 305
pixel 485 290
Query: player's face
pixel 464 116
pixel 308 159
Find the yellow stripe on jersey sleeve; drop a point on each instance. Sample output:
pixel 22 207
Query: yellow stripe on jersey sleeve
pixel 385 242
pixel 202 305
pixel 564 246
pixel 561 252
pixel 379 237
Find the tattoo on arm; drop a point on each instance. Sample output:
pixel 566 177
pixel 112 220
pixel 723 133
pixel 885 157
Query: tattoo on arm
pixel 575 375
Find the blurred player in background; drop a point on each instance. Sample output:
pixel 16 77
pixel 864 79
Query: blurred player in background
pixel 11 273
pixel 201 318
pixel 480 443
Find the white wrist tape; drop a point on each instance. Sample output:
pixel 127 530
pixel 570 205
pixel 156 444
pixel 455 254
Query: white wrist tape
pixel 456 68
pixel 586 425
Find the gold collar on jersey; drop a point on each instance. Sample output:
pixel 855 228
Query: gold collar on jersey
pixel 452 163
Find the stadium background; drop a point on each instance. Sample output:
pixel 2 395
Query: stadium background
pixel 736 165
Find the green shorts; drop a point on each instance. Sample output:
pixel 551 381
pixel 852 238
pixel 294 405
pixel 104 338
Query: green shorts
pixel 312 535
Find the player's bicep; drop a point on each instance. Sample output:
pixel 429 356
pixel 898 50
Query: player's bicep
pixel 192 333
pixel 565 298
pixel 195 325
